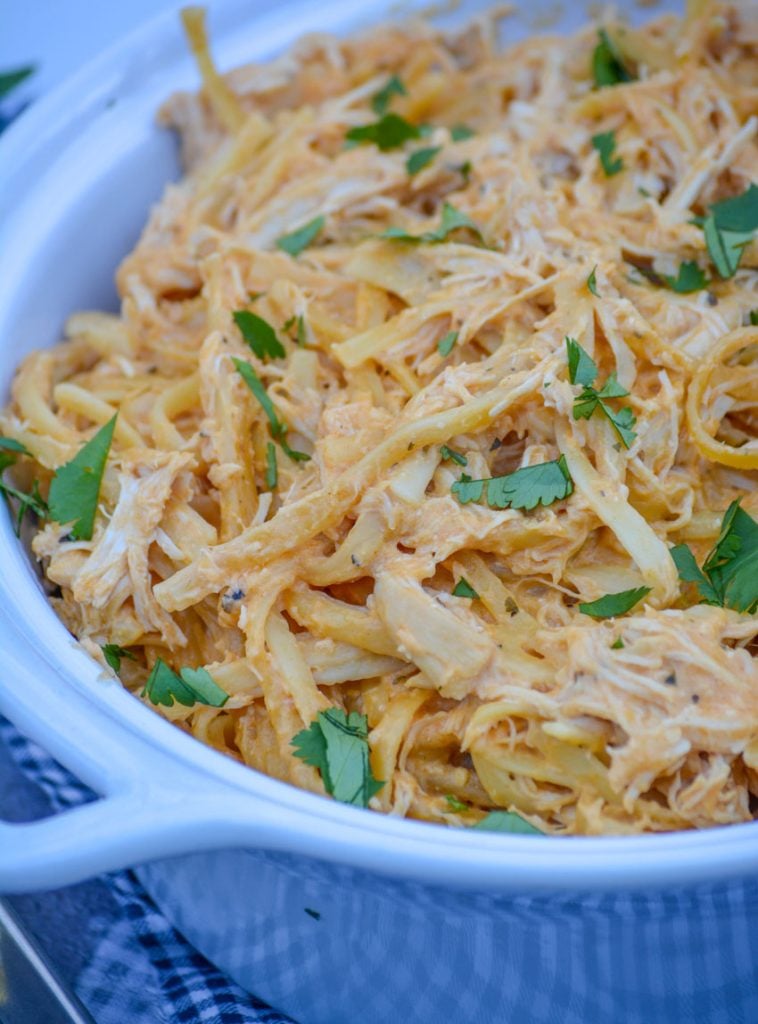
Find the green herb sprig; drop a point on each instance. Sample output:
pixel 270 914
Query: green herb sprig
pixel 75 488
pixel 337 745
pixel 584 371
pixel 524 489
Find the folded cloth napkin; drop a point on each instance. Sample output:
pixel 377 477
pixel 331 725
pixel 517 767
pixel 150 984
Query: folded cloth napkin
pixel 141 970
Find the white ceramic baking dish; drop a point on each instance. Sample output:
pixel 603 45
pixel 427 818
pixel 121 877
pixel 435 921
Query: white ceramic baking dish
pixel 417 922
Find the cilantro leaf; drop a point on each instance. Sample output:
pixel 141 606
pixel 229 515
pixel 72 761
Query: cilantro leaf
pixel 382 99
pixel 618 644
pixel 464 589
pixel 75 488
pixel 728 228
pixel 272 470
pixel 191 686
pixel 689 279
pixel 456 805
pixel 610 605
pixel 277 428
pixel 451 220
pixel 592 282
pixel 607 66
pixel 390 132
pixel 459 132
pixel 729 577
pixel 582 368
pixel 259 335
pixel 421 158
pixel 753 317
pixel 10 80
pixel 10 444
pixel 27 502
pixel 605 144
pixel 337 745
pixel 301 332
pixel 113 655
pixel 452 454
pixel 507 821
pixel 524 489
pixel 296 241
pixel 446 345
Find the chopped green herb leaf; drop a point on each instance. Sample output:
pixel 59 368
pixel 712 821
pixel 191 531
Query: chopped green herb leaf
pixel 33 502
pixel 456 805
pixel 421 158
pixel 605 144
pixel 618 644
pixel 753 317
pixel 610 605
pixel 507 821
pixel 293 454
pixel 382 99
pixel 289 323
pixel 296 241
pixel 582 368
pixel 113 655
pixel 465 170
pixel 728 228
pixel 729 577
pixel 607 66
pixel 10 444
pixel 10 80
pixel 390 132
pixel 689 279
pixel 253 381
pixel 75 488
pixel 312 913
pixel 525 488
pixel 259 335
pixel 272 471
pixel 451 453
pixel 591 399
pixel 302 338
pixel 464 589
pixel 592 282
pixel 337 745
pixel 459 132
pixel 446 345
pixel 191 686
pixel 451 220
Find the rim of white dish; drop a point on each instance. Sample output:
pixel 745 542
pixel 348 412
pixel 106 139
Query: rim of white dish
pixel 382 843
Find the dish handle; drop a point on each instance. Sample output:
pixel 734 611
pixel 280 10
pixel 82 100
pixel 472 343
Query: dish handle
pixel 151 805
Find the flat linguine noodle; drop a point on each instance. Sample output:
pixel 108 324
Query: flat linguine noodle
pixel 317 501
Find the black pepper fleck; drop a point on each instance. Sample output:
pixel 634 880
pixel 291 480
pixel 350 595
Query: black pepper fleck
pixel 670 679
pixel 695 698
pixel 712 300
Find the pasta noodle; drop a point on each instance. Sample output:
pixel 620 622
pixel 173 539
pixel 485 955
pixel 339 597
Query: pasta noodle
pixel 344 541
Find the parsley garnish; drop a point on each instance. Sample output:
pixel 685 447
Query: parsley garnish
pixel 75 488
pixel 583 371
pixel 337 745
pixel 272 471
pixel 610 605
pixel 464 589
pixel 191 686
pixel 278 429
pixel 451 453
pixel 10 80
pixel 421 158
pixel 753 317
pixel 605 144
pixel 592 282
pixel 382 99
pixel 390 132
pixel 446 345
pixel 507 821
pixel 689 279
pixel 455 804
pixel 113 655
pixel 728 228
pixel 296 241
pixel 459 132
pixel 729 577
pixel 10 449
pixel 618 644
pixel 259 335
pixel 301 333
pixel 607 66
pixel 526 488
pixel 451 220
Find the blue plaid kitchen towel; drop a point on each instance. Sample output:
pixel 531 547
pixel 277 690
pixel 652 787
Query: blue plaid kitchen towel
pixel 140 970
